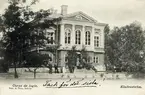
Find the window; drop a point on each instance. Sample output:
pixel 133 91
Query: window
pixel 88 59
pixel 67 36
pixel 96 59
pixel 49 33
pixel 51 57
pixel 78 37
pixel 50 38
pixel 96 41
pixel 88 38
pixel 65 58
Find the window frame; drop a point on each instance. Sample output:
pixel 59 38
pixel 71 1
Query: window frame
pixel 67 39
pixel 66 58
pixel 87 38
pixel 50 36
pixel 96 59
pixel 52 57
pixel 78 37
pixel 96 41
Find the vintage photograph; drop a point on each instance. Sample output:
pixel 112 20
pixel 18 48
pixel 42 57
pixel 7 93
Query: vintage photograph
pixel 86 47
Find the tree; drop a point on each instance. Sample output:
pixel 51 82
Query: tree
pixel 3 65
pixel 35 60
pixel 107 46
pixel 84 53
pixel 72 59
pixel 125 45
pixel 83 57
pixel 23 30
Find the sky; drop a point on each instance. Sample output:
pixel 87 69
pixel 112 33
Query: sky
pixel 112 12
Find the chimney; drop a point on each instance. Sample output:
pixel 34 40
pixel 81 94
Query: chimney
pixel 64 9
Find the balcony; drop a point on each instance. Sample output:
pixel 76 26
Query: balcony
pixel 98 49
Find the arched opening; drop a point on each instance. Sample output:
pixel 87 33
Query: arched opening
pixel 78 37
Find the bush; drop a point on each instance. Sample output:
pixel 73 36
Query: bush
pixel 117 76
pixel 35 59
pixel 101 75
pixel 3 66
pixel 138 75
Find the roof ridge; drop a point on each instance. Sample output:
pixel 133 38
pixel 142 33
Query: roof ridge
pixel 74 13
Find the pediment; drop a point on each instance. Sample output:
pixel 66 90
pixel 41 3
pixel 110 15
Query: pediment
pixel 79 16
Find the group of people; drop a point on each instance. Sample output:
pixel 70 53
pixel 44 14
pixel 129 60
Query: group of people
pixel 51 66
pixel 80 64
pixel 83 64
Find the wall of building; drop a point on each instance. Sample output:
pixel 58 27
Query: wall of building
pixel 83 26
pixel 62 58
pixel 99 66
pixel 92 51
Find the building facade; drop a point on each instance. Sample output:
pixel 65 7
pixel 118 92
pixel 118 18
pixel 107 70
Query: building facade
pixel 80 30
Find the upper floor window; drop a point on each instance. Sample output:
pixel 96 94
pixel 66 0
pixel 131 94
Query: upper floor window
pixel 96 41
pixel 87 38
pixel 78 37
pixel 49 34
pixel 51 57
pixel 67 36
pixel 50 38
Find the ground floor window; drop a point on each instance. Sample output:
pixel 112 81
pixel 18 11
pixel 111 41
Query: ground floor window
pixel 88 59
pixel 65 58
pixel 96 59
pixel 51 57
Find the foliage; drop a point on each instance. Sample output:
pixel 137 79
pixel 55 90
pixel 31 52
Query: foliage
pixel 84 58
pixel 125 44
pixel 101 75
pixel 35 59
pixel 138 75
pixel 72 59
pixel 23 29
pixel 3 66
pixel 107 46
pixel 84 53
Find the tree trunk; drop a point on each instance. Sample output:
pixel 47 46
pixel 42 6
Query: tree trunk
pixel 15 69
pixel 34 73
pixel 71 69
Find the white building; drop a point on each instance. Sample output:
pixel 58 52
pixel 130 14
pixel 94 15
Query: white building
pixel 78 29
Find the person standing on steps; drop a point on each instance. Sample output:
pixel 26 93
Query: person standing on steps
pixel 56 68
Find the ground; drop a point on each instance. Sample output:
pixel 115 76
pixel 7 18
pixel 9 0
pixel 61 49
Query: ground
pixel 106 87
pixel 90 83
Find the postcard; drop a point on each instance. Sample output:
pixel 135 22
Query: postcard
pixel 72 47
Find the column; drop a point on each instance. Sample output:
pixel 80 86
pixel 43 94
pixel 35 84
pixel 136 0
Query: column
pixel 102 37
pixel 92 37
pixel 83 35
pixel 62 35
pixel 73 35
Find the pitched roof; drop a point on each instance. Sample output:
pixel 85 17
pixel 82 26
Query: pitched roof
pixel 82 14
pixel 89 18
